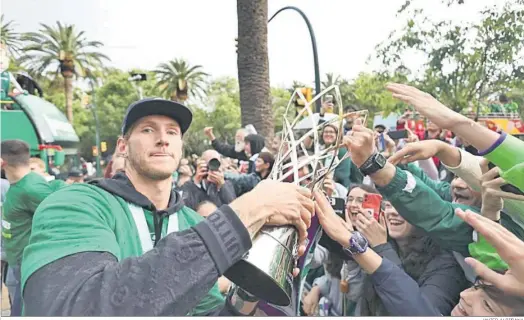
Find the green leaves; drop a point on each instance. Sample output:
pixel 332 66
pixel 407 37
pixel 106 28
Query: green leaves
pixel 172 74
pixel 465 61
pixel 47 49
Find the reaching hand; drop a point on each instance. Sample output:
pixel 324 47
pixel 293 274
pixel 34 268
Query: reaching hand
pixel 208 131
pixel 334 226
pixel 417 151
pixel 376 232
pixel 310 301
pixel 412 137
pixel 425 104
pixel 329 186
pixel 509 247
pixel 390 143
pixel 492 203
pixel 361 143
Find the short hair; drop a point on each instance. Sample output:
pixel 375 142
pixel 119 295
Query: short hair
pixel 514 302
pixel 15 153
pixel 267 157
pixel 37 161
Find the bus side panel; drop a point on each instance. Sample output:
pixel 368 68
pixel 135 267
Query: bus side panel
pixel 16 125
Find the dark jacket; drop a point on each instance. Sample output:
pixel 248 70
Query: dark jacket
pixel 257 143
pixel 243 183
pixel 193 195
pixel 228 150
pixel 438 285
pixel 97 284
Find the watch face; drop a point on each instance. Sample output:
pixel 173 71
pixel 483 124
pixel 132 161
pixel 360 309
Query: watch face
pixel 357 243
pixel 380 160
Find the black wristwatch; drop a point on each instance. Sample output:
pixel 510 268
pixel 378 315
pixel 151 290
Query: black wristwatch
pixel 374 163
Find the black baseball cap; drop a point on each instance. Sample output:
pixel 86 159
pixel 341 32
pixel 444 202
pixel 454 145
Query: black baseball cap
pixel 157 106
pixel 75 173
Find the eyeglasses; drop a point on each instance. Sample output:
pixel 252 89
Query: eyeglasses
pixel 358 200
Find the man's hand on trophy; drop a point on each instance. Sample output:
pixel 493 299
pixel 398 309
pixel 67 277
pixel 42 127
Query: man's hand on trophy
pixel 360 142
pixel 276 204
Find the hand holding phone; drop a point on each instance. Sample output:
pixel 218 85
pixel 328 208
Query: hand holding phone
pixel 372 204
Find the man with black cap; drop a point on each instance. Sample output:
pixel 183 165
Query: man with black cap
pixel 127 246
pixel 75 175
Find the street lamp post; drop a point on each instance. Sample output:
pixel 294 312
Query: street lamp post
pixel 134 79
pixel 313 44
pixel 97 129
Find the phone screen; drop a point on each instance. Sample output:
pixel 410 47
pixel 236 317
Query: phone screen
pixel 507 187
pixel 399 134
pixel 372 204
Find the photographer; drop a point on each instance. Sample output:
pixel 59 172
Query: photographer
pixel 208 184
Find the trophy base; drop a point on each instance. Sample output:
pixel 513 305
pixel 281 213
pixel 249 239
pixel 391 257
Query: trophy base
pixel 258 283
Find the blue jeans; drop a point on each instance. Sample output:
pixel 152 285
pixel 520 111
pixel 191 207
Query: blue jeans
pixel 13 283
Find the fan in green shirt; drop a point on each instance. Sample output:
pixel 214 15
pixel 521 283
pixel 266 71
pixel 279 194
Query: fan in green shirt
pixel 26 192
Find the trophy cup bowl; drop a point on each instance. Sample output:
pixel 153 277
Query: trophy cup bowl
pixel 266 270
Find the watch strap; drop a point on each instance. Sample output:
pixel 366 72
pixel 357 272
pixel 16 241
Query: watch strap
pixel 371 165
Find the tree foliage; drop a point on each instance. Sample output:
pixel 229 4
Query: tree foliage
pixel 9 37
pixel 465 61
pixel 45 49
pixel 177 78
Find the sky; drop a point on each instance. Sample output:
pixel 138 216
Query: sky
pixel 142 34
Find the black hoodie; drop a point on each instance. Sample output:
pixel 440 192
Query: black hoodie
pixel 257 143
pixel 96 284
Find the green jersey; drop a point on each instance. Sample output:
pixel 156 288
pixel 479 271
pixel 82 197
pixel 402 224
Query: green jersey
pixel 22 199
pixel 94 220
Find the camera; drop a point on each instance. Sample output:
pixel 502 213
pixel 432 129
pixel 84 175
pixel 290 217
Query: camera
pixel 213 165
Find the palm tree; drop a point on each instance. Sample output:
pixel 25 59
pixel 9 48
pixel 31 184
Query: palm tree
pixel 62 50
pixel 296 84
pixel 177 79
pixel 8 37
pixel 253 66
pixel 331 79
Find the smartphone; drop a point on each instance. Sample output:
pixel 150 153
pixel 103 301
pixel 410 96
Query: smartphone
pixel 399 134
pixel 339 206
pixel 372 204
pixel 507 187
pixel 381 143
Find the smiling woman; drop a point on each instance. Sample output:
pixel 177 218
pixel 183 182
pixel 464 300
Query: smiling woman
pixel 484 299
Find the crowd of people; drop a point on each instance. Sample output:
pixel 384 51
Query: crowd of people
pixel 432 223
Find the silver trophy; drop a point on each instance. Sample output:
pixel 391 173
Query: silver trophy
pixel 266 270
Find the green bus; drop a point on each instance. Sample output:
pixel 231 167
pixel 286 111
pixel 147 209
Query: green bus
pixel 44 127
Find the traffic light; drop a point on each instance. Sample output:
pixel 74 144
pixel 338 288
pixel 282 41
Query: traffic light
pixel 236 44
pixel 299 102
pixel 85 100
pixel 138 76
pixel 95 151
pixel 103 146
pixel 307 93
